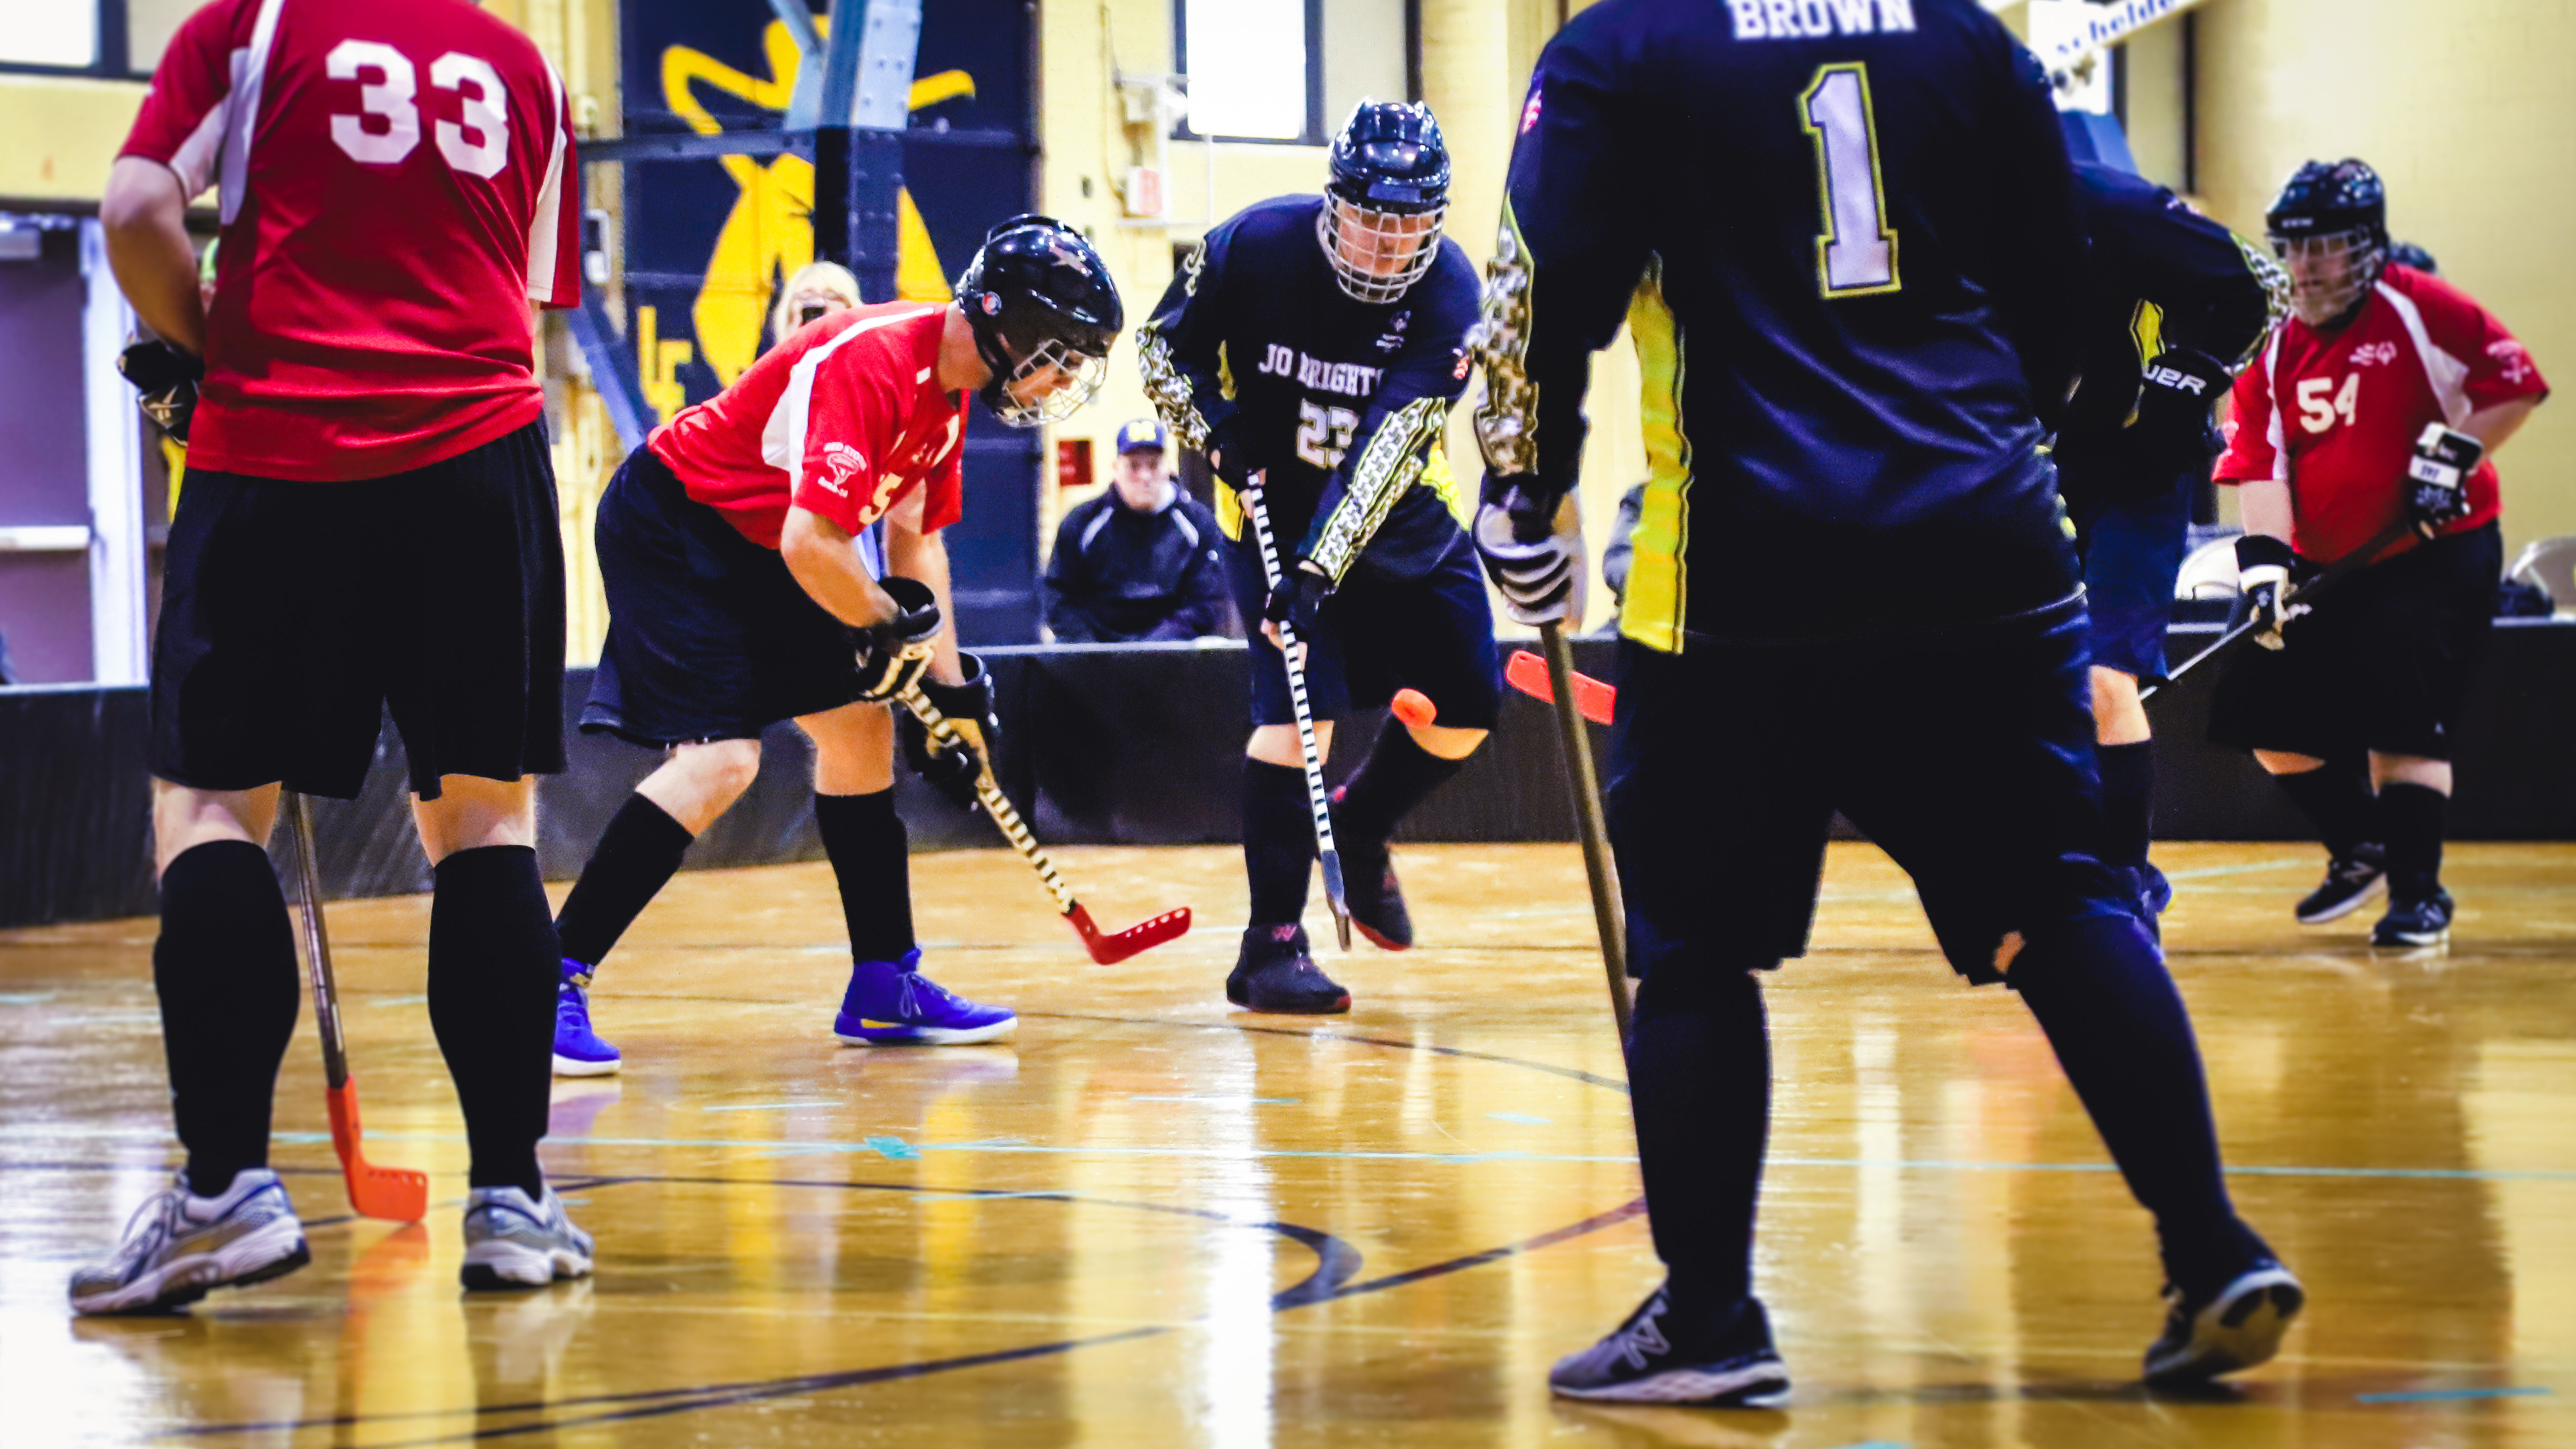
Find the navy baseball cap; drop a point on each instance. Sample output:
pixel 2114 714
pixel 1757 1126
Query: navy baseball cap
pixel 1143 433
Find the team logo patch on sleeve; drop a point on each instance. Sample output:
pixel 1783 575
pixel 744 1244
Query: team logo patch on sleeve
pixel 840 463
pixel 2515 357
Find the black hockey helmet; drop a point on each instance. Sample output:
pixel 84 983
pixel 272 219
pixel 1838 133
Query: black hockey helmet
pixel 1380 223
pixel 1038 297
pixel 2330 222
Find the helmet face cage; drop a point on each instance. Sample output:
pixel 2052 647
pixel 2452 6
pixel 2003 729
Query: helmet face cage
pixel 2331 272
pixel 1048 385
pixel 1377 256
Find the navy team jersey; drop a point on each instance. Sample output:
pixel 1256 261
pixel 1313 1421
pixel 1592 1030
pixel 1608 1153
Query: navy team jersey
pixel 1344 403
pixel 2162 276
pixel 1843 234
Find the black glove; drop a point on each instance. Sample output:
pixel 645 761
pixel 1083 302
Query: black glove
pixel 969 707
pixel 2172 434
pixel 1298 599
pixel 2268 575
pixel 1231 451
pixel 1531 563
pixel 167 378
pixel 2437 480
pixel 894 654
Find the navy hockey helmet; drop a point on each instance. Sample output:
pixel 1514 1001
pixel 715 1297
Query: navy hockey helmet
pixel 2408 254
pixel 2330 223
pixel 1380 223
pixel 1045 313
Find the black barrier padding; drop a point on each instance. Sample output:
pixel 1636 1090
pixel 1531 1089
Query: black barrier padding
pixel 1126 744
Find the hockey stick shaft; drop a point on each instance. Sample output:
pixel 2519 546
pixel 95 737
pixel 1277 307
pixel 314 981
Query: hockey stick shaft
pixel 1317 801
pixel 1609 912
pixel 2341 569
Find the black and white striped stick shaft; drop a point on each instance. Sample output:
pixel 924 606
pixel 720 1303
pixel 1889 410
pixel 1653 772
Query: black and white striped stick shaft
pixel 1317 801
pixel 996 804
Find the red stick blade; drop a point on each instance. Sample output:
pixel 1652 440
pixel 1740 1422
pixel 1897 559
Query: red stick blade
pixel 1145 936
pixel 390 1193
pixel 1593 700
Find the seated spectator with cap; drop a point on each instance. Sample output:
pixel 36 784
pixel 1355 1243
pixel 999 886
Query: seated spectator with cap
pixel 1140 561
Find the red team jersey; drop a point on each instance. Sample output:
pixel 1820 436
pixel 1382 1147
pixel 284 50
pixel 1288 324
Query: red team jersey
pixel 843 418
pixel 2337 417
pixel 398 184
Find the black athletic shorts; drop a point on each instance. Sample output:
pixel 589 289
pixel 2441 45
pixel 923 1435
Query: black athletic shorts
pixel 293 615
pixel 2384 663
pixel 1377 635
pixel 1728 761
pixel 2132 548
pixel 709 636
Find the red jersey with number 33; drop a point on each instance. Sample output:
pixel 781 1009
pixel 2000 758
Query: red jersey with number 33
pixel 843 418
pixel 397 186
pixel 2336 417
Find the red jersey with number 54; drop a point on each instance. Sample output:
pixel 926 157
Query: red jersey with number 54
pixel 397 186
pixel 2336 417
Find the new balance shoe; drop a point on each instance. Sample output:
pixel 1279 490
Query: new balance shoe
pixel 1276 972
pixel 2425 921
pixel 578 1050
pixel 2237 1327
pixel 178 1246
pixel 1651 1359
pixel 890 1003
pixel 1376 901
pixel 514 1242
pixel 2350 880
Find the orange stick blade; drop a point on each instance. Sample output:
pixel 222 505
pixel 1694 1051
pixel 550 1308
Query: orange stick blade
pixel 393 1194
pixel 1593 700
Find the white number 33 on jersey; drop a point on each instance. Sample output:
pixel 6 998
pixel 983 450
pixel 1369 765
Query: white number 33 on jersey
pixel 387 126
pixel 2321 402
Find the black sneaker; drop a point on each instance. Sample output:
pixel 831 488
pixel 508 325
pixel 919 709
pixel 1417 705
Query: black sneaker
pixel 2350 880
pixel 1275 972
pixel 2422 922
pixel 1640 1363
pixel 2237 1327
pixel 1377 902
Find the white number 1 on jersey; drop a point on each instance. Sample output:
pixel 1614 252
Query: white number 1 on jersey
pixel 1856 254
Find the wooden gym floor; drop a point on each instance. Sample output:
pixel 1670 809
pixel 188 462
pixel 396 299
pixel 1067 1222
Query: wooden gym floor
pixel 1156 1221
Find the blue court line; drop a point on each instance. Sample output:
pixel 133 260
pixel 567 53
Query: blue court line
pixel 1523 1118
pixel 2429 1396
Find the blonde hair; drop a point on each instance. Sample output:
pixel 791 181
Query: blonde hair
pixel 829 277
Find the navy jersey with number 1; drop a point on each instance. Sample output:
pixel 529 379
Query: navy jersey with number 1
pixel 1843 236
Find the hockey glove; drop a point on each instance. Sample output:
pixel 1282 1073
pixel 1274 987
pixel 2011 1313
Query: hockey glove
pixel 969 707
pixel 2269 573
pixel 1298 600
pixel 2436 481
pixel 1230 450
pixel 167 378
pixel 1531 559
pixel 895 653
pixel 2172 434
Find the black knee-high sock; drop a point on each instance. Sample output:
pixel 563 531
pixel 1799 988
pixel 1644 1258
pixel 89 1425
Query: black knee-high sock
pixel 1278 841
pixel 2337 801
pixel 225 970
pixel 492 977
pixel 1398 775
pixel 872 859
pixel 2128 789
pixel 1699 1074
pixel 2109 1007
pixel 2414 817
pixel 636 856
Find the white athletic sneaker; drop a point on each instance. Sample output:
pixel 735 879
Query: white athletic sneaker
pixel 178 1246
pixel 511 1242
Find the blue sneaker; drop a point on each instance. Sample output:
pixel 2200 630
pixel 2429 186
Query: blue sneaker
pixel 890 1003
pixel 578 1050
pixel 2154 891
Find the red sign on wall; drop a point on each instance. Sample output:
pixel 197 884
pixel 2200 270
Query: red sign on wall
pixel 1073 463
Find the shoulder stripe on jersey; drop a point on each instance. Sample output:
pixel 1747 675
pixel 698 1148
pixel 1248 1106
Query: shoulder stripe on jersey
pixel 241 107
pixel 2272 429
pixel 2448 375
pixel 196 157
pixel 782 438
pixel 547 221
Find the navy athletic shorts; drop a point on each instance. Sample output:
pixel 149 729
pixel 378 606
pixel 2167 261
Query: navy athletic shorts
pixel 2384 663
pixel 295 615
pixel 2131 548
pixel 1728 761
pixel 709 636
pixel 1378 635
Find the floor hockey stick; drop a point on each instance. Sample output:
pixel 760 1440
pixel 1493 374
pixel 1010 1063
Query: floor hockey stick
pixel 1609 914
pixel 1529 674
pixel 1106 948
pixel 2269 635
pixel 395 1194
pixel 1316 800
